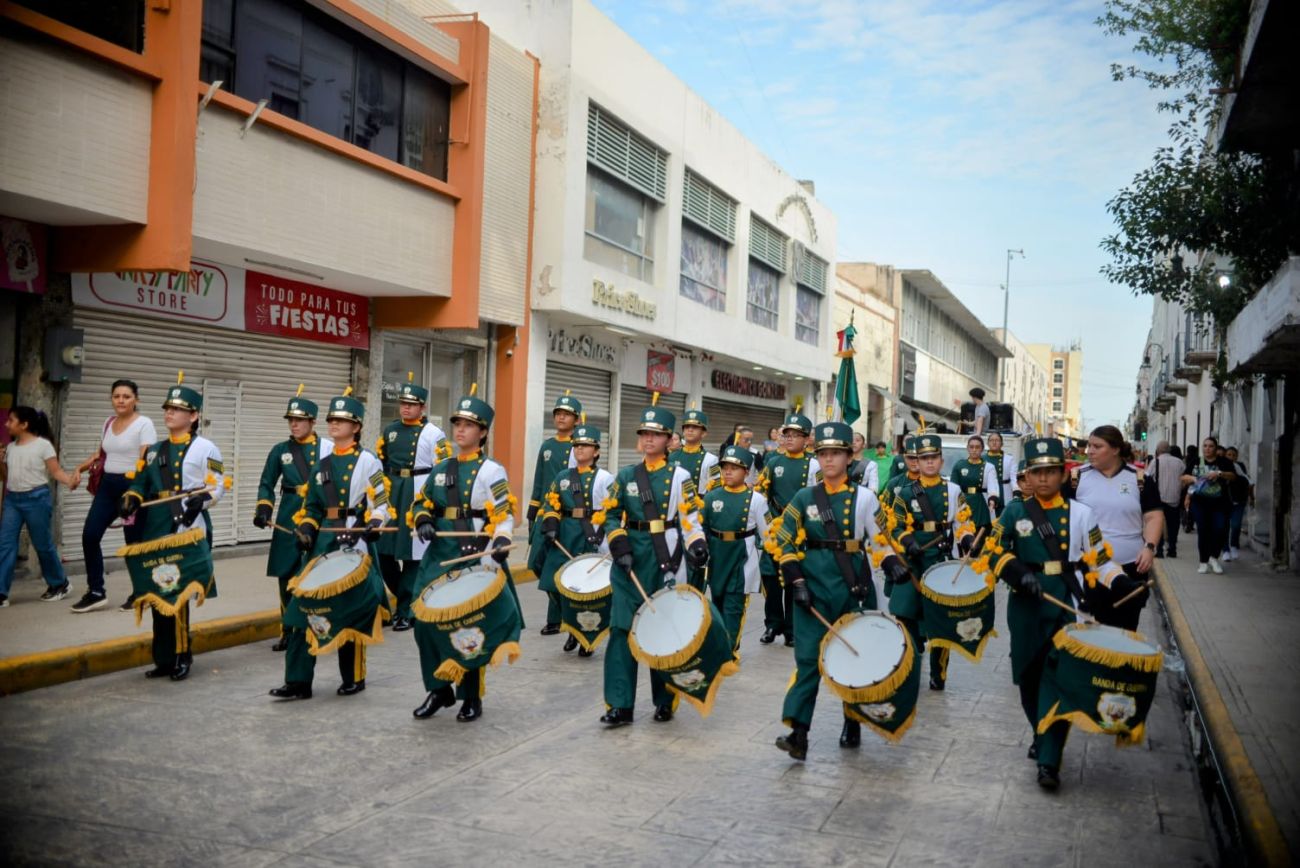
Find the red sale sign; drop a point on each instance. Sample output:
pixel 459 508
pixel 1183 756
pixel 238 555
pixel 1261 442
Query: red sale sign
pixel 292 309
pixel 660 371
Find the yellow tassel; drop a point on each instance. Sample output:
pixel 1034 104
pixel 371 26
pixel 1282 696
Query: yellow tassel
pixel 180 377
pixel 584 417
pixel 301 386
pixel 473 389
pixel 553 499
pixel 598 518
pixel 654 400
pixel 172 541
pixel 347 392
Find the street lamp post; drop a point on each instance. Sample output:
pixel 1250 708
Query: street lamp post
pixel 1006 306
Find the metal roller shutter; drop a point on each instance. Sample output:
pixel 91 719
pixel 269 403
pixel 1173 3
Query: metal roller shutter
pixel 591 386
pixel 634 399
pixel 246 382
pixel 724 416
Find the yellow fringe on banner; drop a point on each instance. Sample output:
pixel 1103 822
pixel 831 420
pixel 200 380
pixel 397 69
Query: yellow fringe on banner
pixel 960 649
pixel 374 637
pixel 1067 640
pixel 196 591
pixel 334 588
pixel 450 670
pixel 705 706
pixel 871 693
pixel 892 737
pixel 1126 738
pixel 677 658
pixel 955 602
pixel 450 613
pixel 581 639
pixel 507 652
pixel 163 543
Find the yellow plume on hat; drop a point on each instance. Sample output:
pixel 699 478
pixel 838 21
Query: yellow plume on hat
pixel 654 400
pixel 301 386
pixel 410 376
pixel 921 430
pixel 473 389
pixel 798 403
pixel 584 417
pixel 180 377
pixel 347 391
pixel 567 392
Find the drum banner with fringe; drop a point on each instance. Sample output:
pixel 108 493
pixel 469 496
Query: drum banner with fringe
pixel 338 597
pixel 168 572
pixel 962 623
pixel 700 662
pixel 472 630
pixel 886 706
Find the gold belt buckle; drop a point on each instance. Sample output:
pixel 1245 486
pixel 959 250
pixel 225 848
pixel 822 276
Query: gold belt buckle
pixel 405 474
pixel 333 512
pixel 657 526
pixel 451 513
pixel 928 527
pixel 852 546
pixel 728 536
pixel 1052 568
pixel 578 513
pixel 972 490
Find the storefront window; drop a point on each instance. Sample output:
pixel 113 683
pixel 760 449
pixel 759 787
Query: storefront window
pixel 619 227
pixel 704 268
pixel 763 297
pixel 446 371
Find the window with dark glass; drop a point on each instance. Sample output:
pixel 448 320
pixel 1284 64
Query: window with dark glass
pixel 704 267
pixel 120 22
pixel 311 68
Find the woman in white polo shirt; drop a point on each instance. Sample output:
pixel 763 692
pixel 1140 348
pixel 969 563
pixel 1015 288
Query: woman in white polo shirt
pixel 1128 512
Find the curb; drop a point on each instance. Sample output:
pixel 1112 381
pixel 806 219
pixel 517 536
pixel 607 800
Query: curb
pixel 48 668
pixel 1263 836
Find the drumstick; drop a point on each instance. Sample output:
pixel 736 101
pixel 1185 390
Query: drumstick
pixel 563 550
pixel 1133 593
pixel 181 496
pixel 598 562
pixel 644 595
pixel 461 533
pixel 476 555
pixel 1055 602
pixel 354 529
pixel 833 631
pixel 965 560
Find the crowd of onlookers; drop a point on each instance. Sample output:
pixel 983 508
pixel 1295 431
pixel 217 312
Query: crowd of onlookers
pixel 1207 490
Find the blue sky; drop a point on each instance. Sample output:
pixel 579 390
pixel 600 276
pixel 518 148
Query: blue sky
pixel 941 133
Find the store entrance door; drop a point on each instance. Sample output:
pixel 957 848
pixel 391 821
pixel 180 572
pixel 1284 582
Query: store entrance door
pixel 444 369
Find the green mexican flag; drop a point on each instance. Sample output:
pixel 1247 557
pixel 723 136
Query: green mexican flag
pixel 848 407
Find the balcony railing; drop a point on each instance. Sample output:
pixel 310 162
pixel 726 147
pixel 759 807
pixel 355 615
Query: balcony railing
pixel 1201 346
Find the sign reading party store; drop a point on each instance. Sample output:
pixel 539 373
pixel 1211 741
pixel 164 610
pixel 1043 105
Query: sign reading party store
pixel 231 298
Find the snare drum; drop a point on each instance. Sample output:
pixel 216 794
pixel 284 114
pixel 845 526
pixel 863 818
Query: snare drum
pixel 880 684
pixel 166 573
pixel 1101 679
pixel 586 598
pixel 474 623
pixel 683 639
pixel 957 615
pixel 338 597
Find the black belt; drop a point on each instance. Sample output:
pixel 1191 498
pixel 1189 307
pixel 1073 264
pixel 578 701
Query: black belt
pixel 658 526
pixel 844 545
pixel 407 472
pixel 289 489
pixel 576 513
pixel 1051 568
pixel 335 513
pixel 731 535
pixel 452 513
pixel 974 489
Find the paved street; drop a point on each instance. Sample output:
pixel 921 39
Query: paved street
pixel 122 770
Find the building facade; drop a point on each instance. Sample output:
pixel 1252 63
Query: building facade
pixel 671 254
pixel 863 293
pixel 1064 366
pixel 263 193
pixel 1027 385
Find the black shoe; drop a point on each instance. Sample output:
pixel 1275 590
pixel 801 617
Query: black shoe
pixel 789 641
pixel 470 711
pixel 181 670
pixel 795 744
pixel 292 690
pixel 768 637
pixel 1048 777
pixel 129 605
pixel 52 594
pixel 159 672
pixel 401 625
pixel 89 602
pixel 1033 751
pixel 1171 553
pixel 936 683
pixel 550 629
pixel 351 688
pixel 664 713
pixel 281 644
pixel 583 652
pixel 617 717
pixel 851 734
pixel 570 644
pixel 444 698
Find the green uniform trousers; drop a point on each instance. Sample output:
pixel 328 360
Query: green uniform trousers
pixel 733 605
pixel 778 603
pixel 171 637
pixel 553 612
pixel 621 673
pixel 472 686
pixel 300 665
pixel 801 696
pixel 1051 744
pixel 399 578
pixel 283 583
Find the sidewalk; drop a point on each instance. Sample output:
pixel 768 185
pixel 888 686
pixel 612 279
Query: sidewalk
pixel 1245 624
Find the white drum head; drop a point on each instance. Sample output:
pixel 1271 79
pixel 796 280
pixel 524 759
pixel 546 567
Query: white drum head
pixel 939 580
pixel 880 643
pixel 1110 639
pixel 458 587
pixel 330 567
pixel 674 623
pixel 585 574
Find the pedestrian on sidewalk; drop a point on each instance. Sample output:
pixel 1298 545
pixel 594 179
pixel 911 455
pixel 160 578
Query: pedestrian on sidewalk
pixel 123 441
pixel 1210 502
pixel 1241 491
pixel 1190 459
pixel 26 465
pixel 1166 472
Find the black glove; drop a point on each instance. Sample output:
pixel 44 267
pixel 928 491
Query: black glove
pixel 964 544
pixel 424 528
pixel 127 505
pixel 1123 585
pixel 912 548
pixel 347 539
pixel 620 549
pixel 532 513
pixel 593 541
pixel 802 596
pixel 193 506
pixel 372 530
pixel 791 572
pixel 306 536
pixel 861 591
pixel 896 571
pixel 262 515
pixel 550 529
pixel 697 553
pixel 1022 579
pixel 500 553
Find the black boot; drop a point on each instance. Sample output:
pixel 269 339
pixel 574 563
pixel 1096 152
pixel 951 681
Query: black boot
pixel 471 710
pixel 442 698
pixel 351 688
pixel 182 667
pixel 1048 777
pixel 583 652
pixel 789 640
pixel 796 743
pixel 160 671
pixel 292 690
pixel 664 713
pixel 768 637
pixel 401 625
pixel 550 629
pixel 616 717
pixel 281 644
pixel 1033 750
pixel 570 643
pixel 851 734
pixel 936 683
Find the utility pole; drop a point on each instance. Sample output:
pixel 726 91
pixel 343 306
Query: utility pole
pixel 1006 307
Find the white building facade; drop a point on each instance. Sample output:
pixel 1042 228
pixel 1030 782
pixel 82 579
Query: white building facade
pixel 1026 385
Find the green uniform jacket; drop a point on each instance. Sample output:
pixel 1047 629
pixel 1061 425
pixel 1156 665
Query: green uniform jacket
pixel 281 472
pixel 977 481
pixel 782 476
pixel 553 456
pixel 675 494
pixel 733 564
pixel 856 509
pixel 595 486
pixel 359 488
pixel 945 500
pixel 196 462
pixel 698 463
pixel 482 483
pixel 408 450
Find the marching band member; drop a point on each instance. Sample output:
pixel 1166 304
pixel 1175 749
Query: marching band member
pixel 978 481
pixel 735 520
pixel 291 464
pixel 347 490
pixel 824 536
pixel 908 470
pixel 409 447
pixel 650 514
pixel 183 462
pixel 553 457
pixel 782 476
pixel 572 520
pixel 1007 474
pixel 467 493
pixel 701 464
